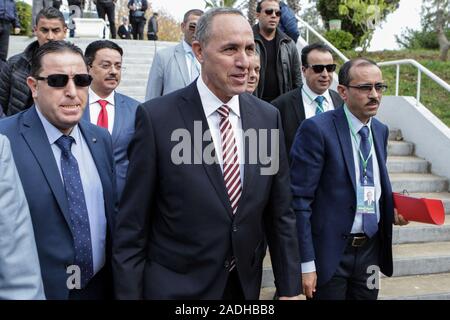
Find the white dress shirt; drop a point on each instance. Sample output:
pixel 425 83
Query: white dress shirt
pixel 95 108
pixel 210 105
pixel 92 186
pixel 188 50
pixel 310 104
pixel 357 222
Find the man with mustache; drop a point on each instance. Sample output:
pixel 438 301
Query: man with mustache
pixel 108 108
pixel 337 157
pixel 314 96
pixel 66 168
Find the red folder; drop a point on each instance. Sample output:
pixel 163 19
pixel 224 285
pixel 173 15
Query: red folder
pixel 420 209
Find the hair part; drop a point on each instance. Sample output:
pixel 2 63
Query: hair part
pixel 93 47
pixel 59 46
pixel 344 72
pixel 194 12
pixel 204 24
pixel 50 13
pixel 314 46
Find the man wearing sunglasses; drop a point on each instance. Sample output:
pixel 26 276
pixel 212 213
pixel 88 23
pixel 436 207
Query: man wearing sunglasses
pixel 314 96
pixel 175 67
pixel 66 168
pixel 280 64
pixel 15 95
pixel 108 108
pixel 337 158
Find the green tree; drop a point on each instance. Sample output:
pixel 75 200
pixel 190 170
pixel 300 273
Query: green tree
pixel 25 16
pixel 436 17
pixel 294 5
pixel 251 12
pixel 219 3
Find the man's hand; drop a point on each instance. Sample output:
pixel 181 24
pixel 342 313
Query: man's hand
pixel 16 30
pixel 309 282
pixel 399 220
pixel 289 298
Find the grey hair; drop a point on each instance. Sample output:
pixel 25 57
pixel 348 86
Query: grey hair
pixel 203 30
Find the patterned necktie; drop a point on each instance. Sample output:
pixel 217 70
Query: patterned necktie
pixel 77 208
pixel 194 66
pixel 103 115
pixel 370 224
pixel 231 171
pixel 319 100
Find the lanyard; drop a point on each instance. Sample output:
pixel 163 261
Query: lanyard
pixel 312 100
pixel 355 137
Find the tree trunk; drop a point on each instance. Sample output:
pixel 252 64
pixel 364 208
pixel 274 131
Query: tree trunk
pixel 294 5
pixel 251 13
pixel 444 44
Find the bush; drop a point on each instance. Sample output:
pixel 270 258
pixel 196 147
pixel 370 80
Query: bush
pixel 340 39
pixel 412 39
pixel 24 13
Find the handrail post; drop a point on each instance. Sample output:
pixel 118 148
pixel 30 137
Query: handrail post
pixel 419 78
pixel 397 80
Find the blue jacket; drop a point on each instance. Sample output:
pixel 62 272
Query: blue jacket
pixel 288 22
pixel 8 12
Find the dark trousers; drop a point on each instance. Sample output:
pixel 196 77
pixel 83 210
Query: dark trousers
pixel 138 29
pixel 351 279
pixel 107 8
pixel 100 287
pixel 5 30
pixel 233 289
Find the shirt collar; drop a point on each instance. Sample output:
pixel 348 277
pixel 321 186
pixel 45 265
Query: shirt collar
pixel 356 123
pixel 311 94
pixel 54 133
pixel 93 97
pixel 187 48
pixel 211 103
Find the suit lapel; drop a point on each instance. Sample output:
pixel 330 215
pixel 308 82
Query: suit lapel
pixel 377 133
pixel 297 104
pixel 343 132
pixel 34 134
pixel 119 117
pixel 337 100
pixel 191 109
pixel 181 60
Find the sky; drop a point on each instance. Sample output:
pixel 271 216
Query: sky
pixel 407 15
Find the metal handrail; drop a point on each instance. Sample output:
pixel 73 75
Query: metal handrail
pixel 322 38
pixel 420 69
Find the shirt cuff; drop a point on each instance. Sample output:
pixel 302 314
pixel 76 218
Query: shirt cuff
pixel 308 267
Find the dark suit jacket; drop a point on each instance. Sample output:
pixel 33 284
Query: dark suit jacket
pixel 46 197
pixel 324 191
pixel 123 130
pixel 175 229
pixel 292 112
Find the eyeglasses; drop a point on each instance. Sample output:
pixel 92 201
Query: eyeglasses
pixel 366 88
pixel 318 68
pixel 61 80
pixel 107 66
pixel 269 12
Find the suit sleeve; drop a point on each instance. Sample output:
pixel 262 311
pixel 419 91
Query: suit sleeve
pixel 133 219
pixel 20 273
pixel 308 157
pixel 155 84
pixel 280 227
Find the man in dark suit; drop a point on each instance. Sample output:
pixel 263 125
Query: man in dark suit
pixel 337 157
pixel 314 96
pixel 194 217
pixel 108 108
pixel 67 172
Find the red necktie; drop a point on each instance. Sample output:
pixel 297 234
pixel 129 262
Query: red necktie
pixel 103 115
pixel 231 171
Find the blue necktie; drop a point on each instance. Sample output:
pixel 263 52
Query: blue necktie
pixel 370 224
pixel 77 209
pixel 319 100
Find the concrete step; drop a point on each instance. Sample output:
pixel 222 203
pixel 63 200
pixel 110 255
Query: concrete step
pixel 443 196
pixel 395 134
pixel 132 81
pixel 421 258
pixel 400 148
pixel 423 287
pixel 418 182
pixel 416 232
pixel 396 164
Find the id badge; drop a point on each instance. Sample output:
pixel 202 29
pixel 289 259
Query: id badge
pixel 366 199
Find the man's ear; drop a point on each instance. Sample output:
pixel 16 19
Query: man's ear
pixel 342 90
pixel 182 26
pixel 32 84
pixel 198 52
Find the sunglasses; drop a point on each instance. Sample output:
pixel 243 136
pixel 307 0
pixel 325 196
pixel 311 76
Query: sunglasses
pixel 366 88
pixel 61 80
pixel 269 12
pixel 318 68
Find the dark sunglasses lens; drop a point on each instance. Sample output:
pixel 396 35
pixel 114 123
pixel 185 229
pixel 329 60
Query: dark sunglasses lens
pixel 57 80
pixel 278 13
pixel 318 68
pixel 82 80
pixel 331 67
pixel 269 12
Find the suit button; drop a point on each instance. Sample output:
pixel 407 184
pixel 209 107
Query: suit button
pixel 344 236
pixel 226 264
pixel 235 228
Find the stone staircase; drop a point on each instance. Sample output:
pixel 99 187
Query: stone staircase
pixel 421 251
pixel 137 60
